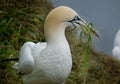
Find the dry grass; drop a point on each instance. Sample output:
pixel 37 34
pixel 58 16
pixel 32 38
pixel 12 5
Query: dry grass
pixel 22 20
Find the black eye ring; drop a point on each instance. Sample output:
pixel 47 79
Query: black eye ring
pixel 76 18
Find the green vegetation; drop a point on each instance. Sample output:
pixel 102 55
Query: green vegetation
pixel 22 20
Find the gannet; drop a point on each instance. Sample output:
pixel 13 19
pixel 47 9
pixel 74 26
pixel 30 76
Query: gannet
pixel 49 62
pixel 116 48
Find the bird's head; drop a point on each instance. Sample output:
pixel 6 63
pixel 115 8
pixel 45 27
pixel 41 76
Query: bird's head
pixel 64 15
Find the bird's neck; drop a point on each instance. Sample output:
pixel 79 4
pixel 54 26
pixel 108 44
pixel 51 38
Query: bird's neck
pixel 55 36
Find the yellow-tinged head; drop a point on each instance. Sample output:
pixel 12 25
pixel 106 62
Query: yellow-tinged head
pixel 61 14
pixel 60 18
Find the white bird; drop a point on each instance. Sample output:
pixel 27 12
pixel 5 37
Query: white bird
pixel 49 62
pixel 116 48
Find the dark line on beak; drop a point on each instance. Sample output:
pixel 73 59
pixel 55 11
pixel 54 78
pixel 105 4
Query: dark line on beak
pixel 77 23
pixel 73 24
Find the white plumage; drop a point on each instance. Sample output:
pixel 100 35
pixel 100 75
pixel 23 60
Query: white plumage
pixel 50 62
pixel 116 48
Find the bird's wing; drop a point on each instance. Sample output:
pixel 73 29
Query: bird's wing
pixel 28 52
pixel 26 60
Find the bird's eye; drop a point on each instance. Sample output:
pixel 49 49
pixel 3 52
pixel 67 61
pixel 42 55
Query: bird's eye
pixel 76 18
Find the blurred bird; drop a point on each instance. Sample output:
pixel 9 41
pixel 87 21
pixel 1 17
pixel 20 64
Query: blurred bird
pixel 49 62
pixel 116 48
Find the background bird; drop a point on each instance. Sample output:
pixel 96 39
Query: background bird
pixel 116 48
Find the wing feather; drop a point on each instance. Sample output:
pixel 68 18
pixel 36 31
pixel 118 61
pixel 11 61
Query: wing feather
pixel 26 60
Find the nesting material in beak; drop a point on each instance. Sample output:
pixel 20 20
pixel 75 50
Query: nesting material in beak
pixel 89 26
pixel 94 32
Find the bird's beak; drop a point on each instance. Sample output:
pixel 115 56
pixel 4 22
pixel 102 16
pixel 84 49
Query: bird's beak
pixel 81 22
